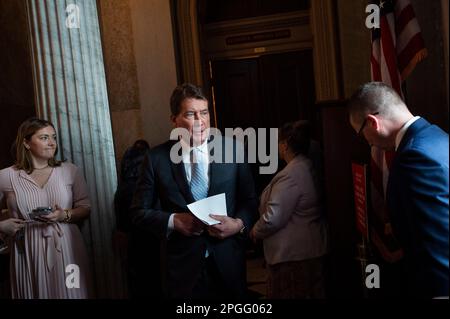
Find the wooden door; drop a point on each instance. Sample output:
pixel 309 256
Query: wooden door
pixel 237 93
pixel 264 92
pixel 16 77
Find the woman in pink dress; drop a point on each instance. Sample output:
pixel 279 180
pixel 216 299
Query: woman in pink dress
pixel 48 255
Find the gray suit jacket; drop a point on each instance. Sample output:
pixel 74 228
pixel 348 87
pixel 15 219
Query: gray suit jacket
pixel 292 221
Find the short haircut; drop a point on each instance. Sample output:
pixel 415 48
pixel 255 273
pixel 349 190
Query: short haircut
pixel 374 97
pixel 182 92
pixel 297 136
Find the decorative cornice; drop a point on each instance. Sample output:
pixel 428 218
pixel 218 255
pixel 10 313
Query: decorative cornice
pixel 276 21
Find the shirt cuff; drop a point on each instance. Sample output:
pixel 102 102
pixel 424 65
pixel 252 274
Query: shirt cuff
pixel 170 225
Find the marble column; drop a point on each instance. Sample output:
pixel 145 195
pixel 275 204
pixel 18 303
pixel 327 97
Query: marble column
pixel 70 89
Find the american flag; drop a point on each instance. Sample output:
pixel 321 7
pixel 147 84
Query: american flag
pixel 397 47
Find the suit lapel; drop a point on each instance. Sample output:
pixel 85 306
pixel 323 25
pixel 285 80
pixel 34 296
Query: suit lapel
pixel 179 175
pixel 216 172
pixel 181 179
pixel 213 167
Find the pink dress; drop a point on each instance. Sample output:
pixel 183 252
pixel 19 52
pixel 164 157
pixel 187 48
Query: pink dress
pixel 40 260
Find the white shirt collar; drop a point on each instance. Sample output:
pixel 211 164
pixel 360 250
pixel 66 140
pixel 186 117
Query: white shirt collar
pixel 203 148
pixel 401 133
pixel 203 159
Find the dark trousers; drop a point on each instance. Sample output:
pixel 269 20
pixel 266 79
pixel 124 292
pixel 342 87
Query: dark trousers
pixel 210 284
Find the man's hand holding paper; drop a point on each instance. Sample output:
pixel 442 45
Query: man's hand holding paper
pixel 188 224
pixel 213 212
pixel 227 227
pixel 203 208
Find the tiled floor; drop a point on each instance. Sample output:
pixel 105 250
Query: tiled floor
pixel 256 275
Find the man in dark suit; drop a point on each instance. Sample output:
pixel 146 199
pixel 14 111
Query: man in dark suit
pixel 200 261
pixel 418 185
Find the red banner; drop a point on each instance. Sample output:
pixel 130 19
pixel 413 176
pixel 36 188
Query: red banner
pixel 360 195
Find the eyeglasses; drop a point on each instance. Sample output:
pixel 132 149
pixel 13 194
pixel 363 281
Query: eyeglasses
pixel 364 124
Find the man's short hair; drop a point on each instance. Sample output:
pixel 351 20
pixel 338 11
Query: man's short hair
pixel 184 91
pixel 375 97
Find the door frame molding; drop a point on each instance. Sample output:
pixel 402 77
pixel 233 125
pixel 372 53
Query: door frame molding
pixel 315 29
pixel 187 34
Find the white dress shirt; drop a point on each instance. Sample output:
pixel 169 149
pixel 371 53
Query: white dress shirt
pixel 202 155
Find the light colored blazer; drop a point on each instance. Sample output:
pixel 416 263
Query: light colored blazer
pixel 292 222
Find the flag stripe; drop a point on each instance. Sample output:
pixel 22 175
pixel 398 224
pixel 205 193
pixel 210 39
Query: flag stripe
pixel 411 29
pixel 402 20
pixel 376 74
pixel 410 56
pixel 399 5
pixel 389 56
pixel 389 157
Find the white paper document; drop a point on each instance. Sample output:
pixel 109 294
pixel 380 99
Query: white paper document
pixel 215 205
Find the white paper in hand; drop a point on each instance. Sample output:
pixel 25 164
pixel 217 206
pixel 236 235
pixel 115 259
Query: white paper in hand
pixel 216 205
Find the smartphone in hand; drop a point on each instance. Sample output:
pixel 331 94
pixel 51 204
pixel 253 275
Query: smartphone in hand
pixel 40 211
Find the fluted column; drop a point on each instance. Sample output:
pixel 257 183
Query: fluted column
pixel 70 89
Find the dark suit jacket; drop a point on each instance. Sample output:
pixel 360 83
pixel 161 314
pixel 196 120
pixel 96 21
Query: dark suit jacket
pixel 161 179
pixel 418 201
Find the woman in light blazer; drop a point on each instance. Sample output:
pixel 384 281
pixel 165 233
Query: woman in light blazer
pixel 292 223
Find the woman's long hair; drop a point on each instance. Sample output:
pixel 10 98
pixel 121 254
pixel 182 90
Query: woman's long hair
pixel 26 130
